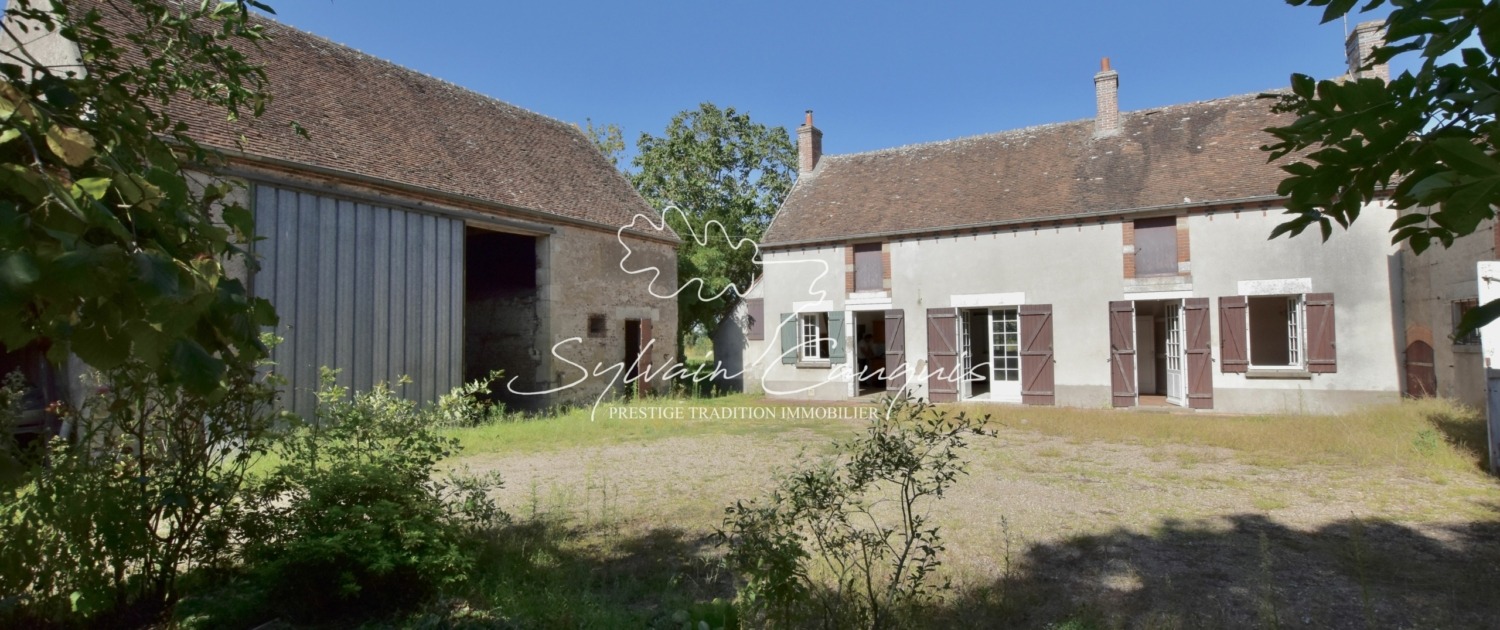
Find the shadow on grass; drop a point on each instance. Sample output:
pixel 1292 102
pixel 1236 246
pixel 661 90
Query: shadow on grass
pixel 543 574
pixel 1465 429
pixel 1254 573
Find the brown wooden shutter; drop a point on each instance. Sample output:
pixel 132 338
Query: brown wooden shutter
pixel 1234 351
pixel 1322 348
pixel 1156 246
pixel 1200 359
pixel 755 313
pixel 1122 353
pixel 1037 373
pixel 942 355
pixel 646 348
pixel 895 350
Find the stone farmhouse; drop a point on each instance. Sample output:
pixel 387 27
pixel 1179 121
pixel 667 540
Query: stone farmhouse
pixel 426 231
pixel 1118 261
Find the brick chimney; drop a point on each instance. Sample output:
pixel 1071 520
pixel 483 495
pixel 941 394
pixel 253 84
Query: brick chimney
pixel 1107 99
pixel 1361 44
pixel 809 146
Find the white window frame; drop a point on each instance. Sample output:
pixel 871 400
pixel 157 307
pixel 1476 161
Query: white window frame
pixel 812 337
pixel 1296 328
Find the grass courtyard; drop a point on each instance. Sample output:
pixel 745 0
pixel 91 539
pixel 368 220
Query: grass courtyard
pixel 1068 518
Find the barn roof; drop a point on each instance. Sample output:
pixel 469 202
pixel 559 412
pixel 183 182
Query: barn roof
pixel 1183 154
pixel 371 118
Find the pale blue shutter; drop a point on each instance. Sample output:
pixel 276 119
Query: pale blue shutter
pixel 836 337
pixel 789 350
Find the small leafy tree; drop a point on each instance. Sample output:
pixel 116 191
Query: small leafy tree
pixel 354 521
pixel 106 251
pixel 844 541
pixel 715 164
pixel 1426 138
pixel 110 252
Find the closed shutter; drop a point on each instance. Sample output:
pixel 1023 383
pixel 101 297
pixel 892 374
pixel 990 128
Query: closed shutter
pixel 1156 246
pixel 835 334
pixel 1122 382
pixel 868 271
pixel 895 350
pixel 1037 373
pixel 1322 350
pixel 1234 351
pixel 1200 360
pixel 789 349
pixel 755 316
pixel 942 355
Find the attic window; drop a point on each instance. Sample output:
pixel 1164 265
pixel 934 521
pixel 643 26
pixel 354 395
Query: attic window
pixel 597 326
pixel 1156 246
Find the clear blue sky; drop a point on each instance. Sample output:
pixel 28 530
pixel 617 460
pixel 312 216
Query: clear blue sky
pixel 878 74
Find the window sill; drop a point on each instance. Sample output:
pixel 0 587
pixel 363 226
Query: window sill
pixel 814 364
pixel 1466 348
pixel 1279 373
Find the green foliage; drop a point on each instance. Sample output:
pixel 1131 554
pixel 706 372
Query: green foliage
pixel 1431 132
pixel 715 164
pixel 352 522
pixel 469 405
pixel 145 492
pixel 607 138
pixel 845 540
pixel 106 249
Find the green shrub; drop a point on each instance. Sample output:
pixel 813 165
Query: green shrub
pixel 353 522
pixel 843 541
pixel 144 491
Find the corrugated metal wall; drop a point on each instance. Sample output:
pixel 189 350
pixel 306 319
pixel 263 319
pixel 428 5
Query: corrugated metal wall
pixel 372 290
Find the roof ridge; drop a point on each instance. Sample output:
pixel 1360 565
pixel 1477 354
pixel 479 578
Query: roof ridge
pixel 418 73
pixel 1033 129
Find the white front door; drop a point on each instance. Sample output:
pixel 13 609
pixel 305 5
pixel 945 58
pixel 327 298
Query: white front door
pixel 1176 359
pixel 966 356
pixel 1005 355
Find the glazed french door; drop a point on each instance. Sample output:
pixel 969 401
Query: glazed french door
pixel 1176 357
pixel 1005 355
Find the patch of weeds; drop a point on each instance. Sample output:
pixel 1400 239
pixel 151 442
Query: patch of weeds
pixel 1268 503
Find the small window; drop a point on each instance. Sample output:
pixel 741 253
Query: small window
pixel 597 326
pixel 1461 308
pixel 1277 334
pixel 1156 246
pixel 869 267
pixel 814 342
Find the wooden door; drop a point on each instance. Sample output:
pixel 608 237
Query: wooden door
pixel 1122 354
pixel 943 371
pixel 1037 370
pixel 1199 338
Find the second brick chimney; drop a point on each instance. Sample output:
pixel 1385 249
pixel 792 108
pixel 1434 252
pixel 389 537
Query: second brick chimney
pixel 1107 99
pixel 1360 45
pixel 809 146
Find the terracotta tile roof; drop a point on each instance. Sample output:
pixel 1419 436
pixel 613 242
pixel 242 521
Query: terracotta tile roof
pixel 1205 151
pixel 375 119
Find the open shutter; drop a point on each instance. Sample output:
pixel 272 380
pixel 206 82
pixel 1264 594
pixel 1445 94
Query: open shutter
pixel 1234 348
pixel 1037 374
pixel 646 348
pixel 755 316
pixel 1322 351
pixel 1200 359
pixel 942 355
pixel 1122 381
pixel 789 349
pixel 836 343
pixel 895 350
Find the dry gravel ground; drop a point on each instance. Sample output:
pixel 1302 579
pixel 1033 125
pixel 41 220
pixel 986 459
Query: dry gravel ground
pixel 1061 530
